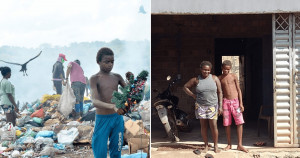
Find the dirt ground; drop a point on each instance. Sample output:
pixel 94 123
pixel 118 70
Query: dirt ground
pixel 162 148
pixel 84 152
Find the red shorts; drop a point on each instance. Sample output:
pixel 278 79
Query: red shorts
pixel 232 107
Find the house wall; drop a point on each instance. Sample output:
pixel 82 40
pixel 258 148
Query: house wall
pixel 181 42
pixel 224 7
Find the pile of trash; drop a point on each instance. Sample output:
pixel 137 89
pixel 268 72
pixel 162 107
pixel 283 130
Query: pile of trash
pixel 43 130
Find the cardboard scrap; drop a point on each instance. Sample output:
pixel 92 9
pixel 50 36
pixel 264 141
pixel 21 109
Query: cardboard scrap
pixel 134 126
pixel 141 143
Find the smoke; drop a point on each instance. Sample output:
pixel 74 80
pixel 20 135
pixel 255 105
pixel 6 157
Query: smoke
pixel 76 29
pixel 129 56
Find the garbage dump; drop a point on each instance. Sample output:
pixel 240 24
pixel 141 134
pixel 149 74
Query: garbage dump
pixel 42 130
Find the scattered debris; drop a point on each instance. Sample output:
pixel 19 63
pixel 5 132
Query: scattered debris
pixel 43 131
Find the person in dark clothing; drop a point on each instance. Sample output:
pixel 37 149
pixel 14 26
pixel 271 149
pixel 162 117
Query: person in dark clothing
pixel 58 73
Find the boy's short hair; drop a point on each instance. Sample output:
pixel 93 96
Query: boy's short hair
pixel 103 51
pixel 129 74
pixel 205 63
pixel 226 63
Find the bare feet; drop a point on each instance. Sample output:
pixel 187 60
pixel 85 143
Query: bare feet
pixel 206 148
pixel 227 147
pixel 241 148
pixel 217 150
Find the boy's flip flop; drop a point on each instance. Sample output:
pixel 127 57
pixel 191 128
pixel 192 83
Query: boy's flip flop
pixel 197 152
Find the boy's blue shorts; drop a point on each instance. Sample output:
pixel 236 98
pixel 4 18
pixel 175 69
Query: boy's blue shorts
pixel 108 127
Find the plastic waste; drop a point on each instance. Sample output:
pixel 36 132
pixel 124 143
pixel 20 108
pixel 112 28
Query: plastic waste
pixel 90 116
pixel 29 140
pixel 41 142
pixel 5 143
pixel 2 123
pixel 29 106
pixel 2 149
pixel 135 116
pixel 2 118
pixel 36 105
pixel 34 124
pixel 8 132
pixel 50 151
pixel 30 133
pixel 146 118
pixel 59 146
pixel 18 133
pixel 25 112
pixel 73 123
pixel 21 140
pixel 67 101
pixel 20 121
pixel 135 155
pixel 15 153
pixel 38 120
pixel 45 134
pixel 86 107
pixel 49 97
pixel 28 154
pixel 67 137
pixel 47 117
pixel 38 113
pixel 12 145
pixel 125 147
pixel 31 110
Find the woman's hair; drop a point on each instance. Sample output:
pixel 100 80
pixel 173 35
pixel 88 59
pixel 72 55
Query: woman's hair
pixel 205 63
pixel 5 70
pixel 77 61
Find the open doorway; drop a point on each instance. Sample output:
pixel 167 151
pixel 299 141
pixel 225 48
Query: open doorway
pixel 249 51
pixel 252 67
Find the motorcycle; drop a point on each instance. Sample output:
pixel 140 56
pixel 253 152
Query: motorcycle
pixel 172 118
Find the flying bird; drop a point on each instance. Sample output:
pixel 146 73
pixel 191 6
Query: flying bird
pixel 24 68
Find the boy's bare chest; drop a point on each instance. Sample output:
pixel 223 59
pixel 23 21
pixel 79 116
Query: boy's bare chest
pixel 227 81
pixel 105 83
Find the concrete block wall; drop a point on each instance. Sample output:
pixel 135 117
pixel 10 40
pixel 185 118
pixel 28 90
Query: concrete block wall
pixel 181 42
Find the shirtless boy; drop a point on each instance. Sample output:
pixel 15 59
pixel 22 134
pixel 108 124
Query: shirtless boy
pixel 109 122
pixel 232 104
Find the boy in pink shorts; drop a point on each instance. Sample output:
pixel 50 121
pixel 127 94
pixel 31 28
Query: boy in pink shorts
pixel 232 104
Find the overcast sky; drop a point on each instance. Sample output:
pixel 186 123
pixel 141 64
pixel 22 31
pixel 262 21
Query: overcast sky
pixel 35 24
pixel 30 23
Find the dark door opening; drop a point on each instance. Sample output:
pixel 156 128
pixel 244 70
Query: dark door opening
pixel 249 51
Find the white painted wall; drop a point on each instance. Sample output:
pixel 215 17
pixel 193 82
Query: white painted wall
pixel 224 6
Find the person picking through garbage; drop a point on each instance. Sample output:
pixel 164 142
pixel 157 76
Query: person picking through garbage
pixel 58 73
pixel 78 84
pixel 109 122
pixel 129 76
pixel 7 96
